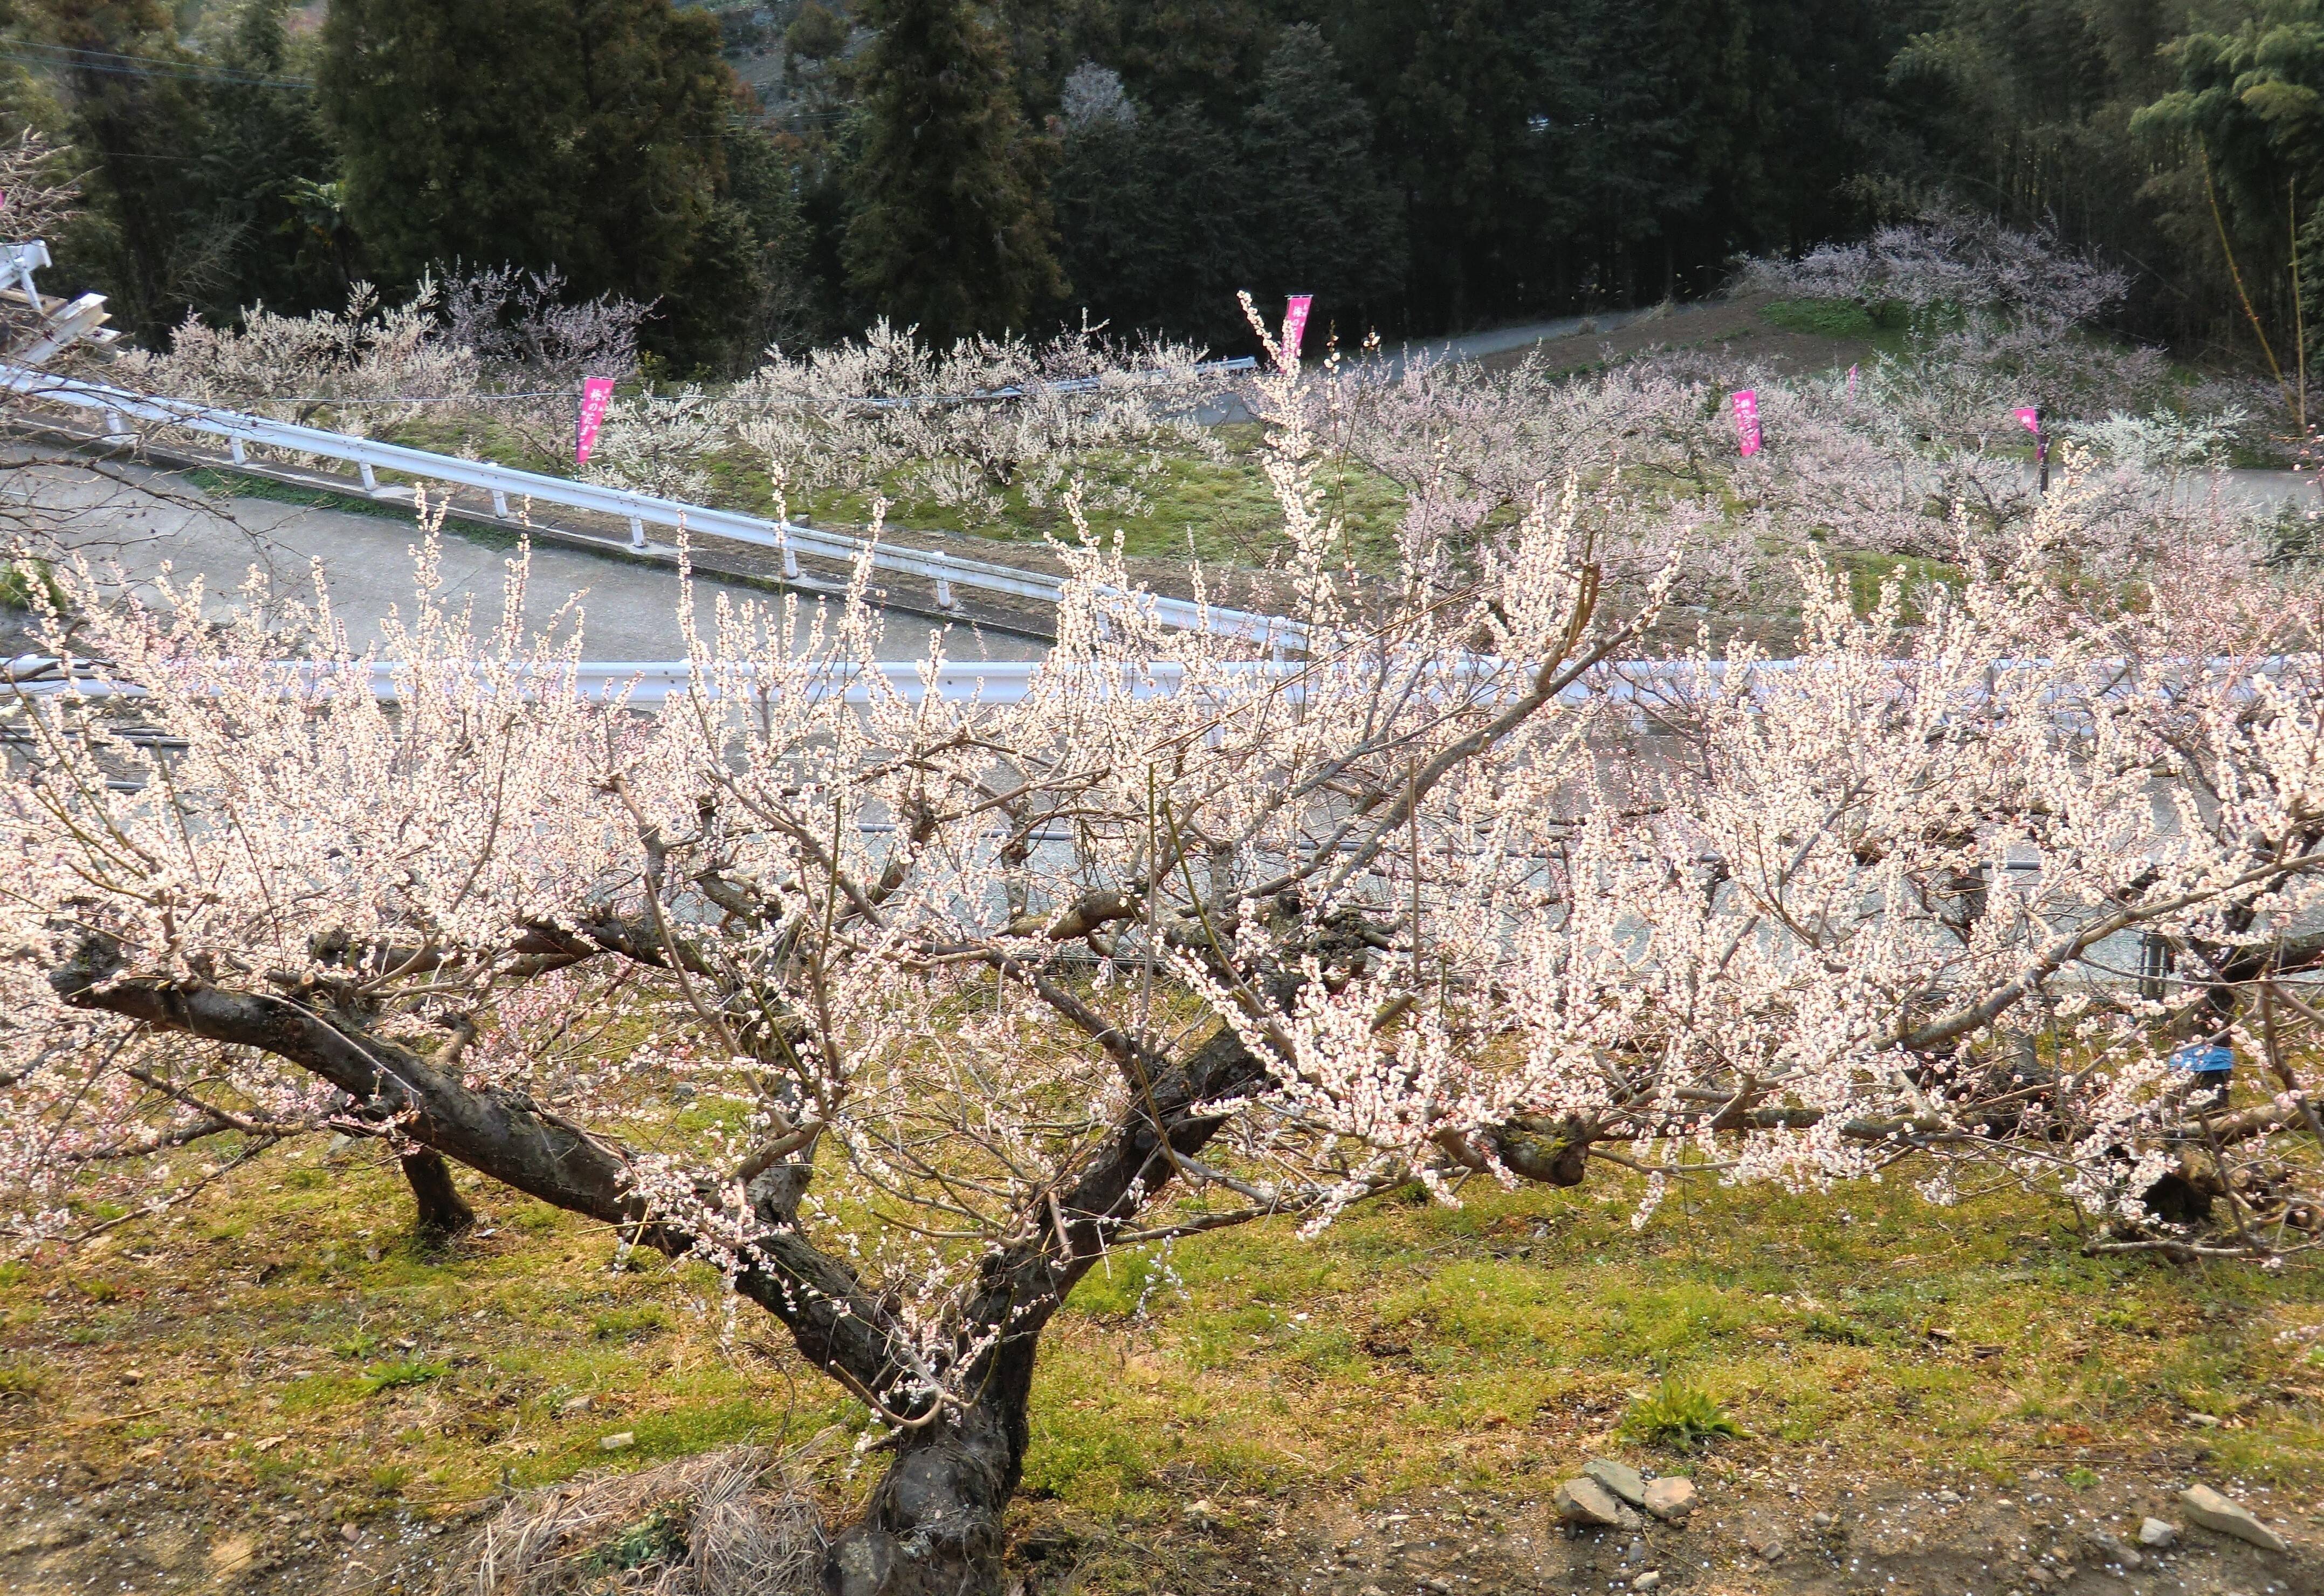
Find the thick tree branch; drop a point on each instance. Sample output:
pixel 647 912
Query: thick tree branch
pixel 837 1324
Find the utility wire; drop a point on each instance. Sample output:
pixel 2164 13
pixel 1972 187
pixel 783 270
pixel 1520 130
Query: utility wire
pixel 141 66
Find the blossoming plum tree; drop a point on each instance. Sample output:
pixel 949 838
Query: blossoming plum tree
pixel 1438 884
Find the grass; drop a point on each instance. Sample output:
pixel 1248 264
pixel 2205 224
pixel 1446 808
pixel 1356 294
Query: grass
pixel 1887 327
pixel 1678 1415
pixel 406 1371
pixel 24 583
pixel 293 1346
pixel 1219 511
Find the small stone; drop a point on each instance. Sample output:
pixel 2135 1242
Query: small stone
pixel 1635 1551
pixel 2201 1421
pixel 350 1531
pixel 1649 1580
pixel 574 1404
pixel 1950 1498
pixel 1202 1514
pixel 2224 1514
pixel 1585 1501
pixel 132 1376
pixel 1767 1540
pixel 1820 1520
pixel 2112 1549
pixel 1670 1498
pixel 617 1440
pixel 1622 1479
pixel 2156 1533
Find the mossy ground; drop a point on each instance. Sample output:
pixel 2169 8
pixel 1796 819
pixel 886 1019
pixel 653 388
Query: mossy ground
pixel 287 1355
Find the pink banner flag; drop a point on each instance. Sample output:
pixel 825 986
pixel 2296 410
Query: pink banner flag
pixel 1746 420
pixel 2030 418
pixel 1294 325
pixel 1851 381
pixel 596 393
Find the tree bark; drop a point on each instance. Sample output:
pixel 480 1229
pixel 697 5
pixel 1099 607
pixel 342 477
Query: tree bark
pixel 933 1527
pixel 443 1211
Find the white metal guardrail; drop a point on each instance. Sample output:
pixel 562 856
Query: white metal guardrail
pixel 1632 684
pixel 649 683
pixel 944 572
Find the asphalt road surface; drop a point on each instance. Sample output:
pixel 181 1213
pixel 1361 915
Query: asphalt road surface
pixel 132 524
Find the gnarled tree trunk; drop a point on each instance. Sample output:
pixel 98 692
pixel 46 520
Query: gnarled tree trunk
pixel 934 1525
pixel 443 1211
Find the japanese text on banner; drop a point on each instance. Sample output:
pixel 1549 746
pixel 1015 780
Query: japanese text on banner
pixel 596 393
pixel 1746 420
pixel 1294 325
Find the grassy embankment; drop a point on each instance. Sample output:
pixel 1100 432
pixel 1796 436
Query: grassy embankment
pixel 289 1348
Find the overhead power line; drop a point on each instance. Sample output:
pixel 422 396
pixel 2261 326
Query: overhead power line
pixel 117 64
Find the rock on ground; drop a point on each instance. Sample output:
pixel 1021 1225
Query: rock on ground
pixel 2228 1516
pixel 1622 1479
pixel 1669 1499
pixel 1585 1501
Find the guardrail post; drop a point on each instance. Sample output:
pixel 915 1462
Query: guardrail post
pixel 234 447
pixel 637 533
pixel 371 483
pixel 944 594
pixel 500 503
pixel 113 424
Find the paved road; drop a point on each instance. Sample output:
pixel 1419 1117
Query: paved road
pixel 142 521
pixel 1500 340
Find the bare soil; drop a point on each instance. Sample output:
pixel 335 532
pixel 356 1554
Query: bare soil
pixel 154 1528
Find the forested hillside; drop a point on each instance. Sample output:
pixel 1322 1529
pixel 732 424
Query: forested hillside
pixel 788 171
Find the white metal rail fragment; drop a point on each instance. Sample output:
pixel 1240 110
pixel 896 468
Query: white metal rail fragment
pixel 944 572
pixel 1636 686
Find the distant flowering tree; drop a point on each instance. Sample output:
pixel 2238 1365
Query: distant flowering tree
pixel 1464 879
pixel 965 424
pixel 360 370
pixel 496 346
pixel 1951 259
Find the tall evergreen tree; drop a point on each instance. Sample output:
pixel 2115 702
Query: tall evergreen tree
pixel 951 227
pixel 1322 219
pixel 265 161
pixel 143 238
pixel 1150 221
pixel 582 133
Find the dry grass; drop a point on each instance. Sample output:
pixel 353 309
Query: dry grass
pixel 738 1521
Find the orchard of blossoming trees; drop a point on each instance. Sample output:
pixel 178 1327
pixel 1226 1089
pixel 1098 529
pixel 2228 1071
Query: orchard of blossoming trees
pixel 1514 862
